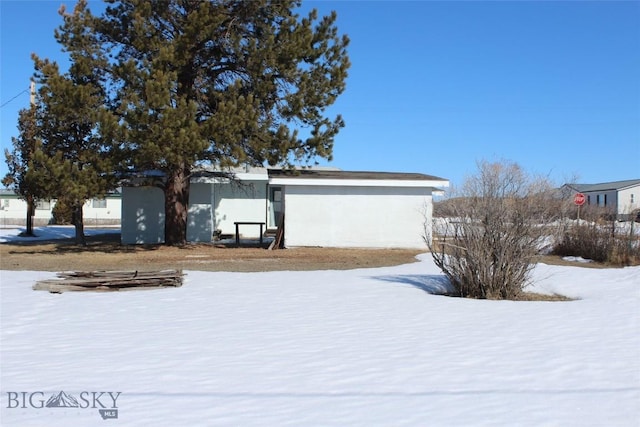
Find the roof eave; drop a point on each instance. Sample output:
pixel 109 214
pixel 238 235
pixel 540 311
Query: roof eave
pixel 327 182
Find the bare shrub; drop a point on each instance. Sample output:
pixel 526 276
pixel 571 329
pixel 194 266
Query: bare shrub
pixel 496 226
pixel 585 240
pixel 626 251
pixel 599 241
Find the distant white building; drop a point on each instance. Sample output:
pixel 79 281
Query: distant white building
pixel 621 197
pixel 13 210
pixel 319 207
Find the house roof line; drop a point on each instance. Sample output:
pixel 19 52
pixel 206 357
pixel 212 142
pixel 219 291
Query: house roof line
pixel 311 174
pixel 320 176
pixel 605 186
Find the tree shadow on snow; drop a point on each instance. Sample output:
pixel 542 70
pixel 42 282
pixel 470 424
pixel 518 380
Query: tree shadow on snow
pixel 435 284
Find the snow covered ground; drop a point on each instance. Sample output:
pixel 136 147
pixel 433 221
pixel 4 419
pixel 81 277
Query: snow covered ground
pixel 368 347
pixel 10 233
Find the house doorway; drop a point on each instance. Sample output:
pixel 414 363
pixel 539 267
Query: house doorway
pixel 275 207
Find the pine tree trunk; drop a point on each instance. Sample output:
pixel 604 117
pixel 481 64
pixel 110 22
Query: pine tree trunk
pixel 176 199
pixel 30 212
pixel 78 222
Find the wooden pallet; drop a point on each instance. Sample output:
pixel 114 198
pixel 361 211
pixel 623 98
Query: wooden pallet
pixel 110 281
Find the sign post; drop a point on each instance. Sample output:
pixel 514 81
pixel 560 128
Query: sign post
pixel 579 200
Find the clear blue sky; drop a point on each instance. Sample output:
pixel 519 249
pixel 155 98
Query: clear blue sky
pixel 436 86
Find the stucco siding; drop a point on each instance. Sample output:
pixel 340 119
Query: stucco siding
pixel 234 202
pixel 375 217
pixel 199 216
pixel 142 215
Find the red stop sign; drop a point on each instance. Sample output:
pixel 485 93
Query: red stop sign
pixel 579 199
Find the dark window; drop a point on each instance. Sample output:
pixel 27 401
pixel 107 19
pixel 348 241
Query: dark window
pixel 275 210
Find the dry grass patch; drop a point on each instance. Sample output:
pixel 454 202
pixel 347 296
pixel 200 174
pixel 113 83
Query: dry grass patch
pixel 533 296
pixel 106 253
pixel 558 260
pixel 523 296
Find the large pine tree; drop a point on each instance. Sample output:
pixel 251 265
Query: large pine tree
pixel 73 162
pixel 18 161
pixel 220 82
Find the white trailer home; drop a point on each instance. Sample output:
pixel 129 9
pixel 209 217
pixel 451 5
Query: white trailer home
pixel 319 207
pixel 621 197
pixel 13 210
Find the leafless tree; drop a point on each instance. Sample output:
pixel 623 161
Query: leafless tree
pixel 496 226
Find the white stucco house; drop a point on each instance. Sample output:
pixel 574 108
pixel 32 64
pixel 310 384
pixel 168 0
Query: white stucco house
pixel 105 211
pixel 621 197
pixel 319 207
